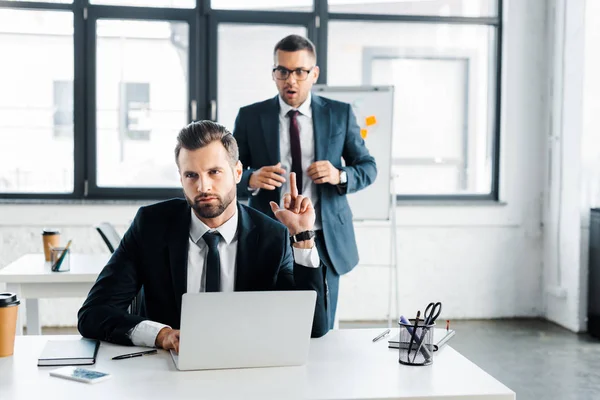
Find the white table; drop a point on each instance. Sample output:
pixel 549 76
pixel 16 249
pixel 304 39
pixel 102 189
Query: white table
pixel 31 278
pixel 344 364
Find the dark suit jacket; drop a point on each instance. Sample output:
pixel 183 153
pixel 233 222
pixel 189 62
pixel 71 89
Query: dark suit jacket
pixel 154 253
pixel 336 136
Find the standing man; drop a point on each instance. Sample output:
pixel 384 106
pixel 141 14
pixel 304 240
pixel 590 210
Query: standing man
pixel 299 132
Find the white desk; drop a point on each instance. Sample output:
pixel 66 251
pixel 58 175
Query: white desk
pixel 31 278
pixel 345 364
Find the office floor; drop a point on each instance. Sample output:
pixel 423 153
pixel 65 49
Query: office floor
pixel 535 358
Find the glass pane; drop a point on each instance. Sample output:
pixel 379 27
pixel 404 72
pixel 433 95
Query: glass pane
pixel 141 103
pixel 36 101
pixel 46 1
pixel 263 5
pixel 148 3
pixel 443 77
pixel 442 8
pixel 238 87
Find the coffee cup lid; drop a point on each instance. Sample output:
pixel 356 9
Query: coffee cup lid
pixel 50 231
pixel 8 299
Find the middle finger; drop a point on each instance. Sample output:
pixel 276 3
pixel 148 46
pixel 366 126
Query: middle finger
pixel 293 187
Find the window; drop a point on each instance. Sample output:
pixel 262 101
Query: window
pixel 46 1
pixel 36 101
pixel 148 3
pixel 442 8
pixel 141 101
pixel 263 5
pixel 92 102
pixel 444 98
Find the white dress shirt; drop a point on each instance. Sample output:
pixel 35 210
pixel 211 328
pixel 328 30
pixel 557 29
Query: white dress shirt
pixel 144 333
pixel 198 250
pixel 307 147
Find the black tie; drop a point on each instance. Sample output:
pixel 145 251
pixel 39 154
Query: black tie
pixel 295 148
pixel 213 262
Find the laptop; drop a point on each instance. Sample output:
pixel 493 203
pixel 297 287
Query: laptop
pixel 245 329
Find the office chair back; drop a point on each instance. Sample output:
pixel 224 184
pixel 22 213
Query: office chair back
pixel 109 235
pixel 112 239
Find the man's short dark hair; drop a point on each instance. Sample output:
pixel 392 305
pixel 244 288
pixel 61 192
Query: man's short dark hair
pixel 202 133
pixel 295 43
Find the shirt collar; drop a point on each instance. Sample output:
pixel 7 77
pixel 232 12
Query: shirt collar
pixel 227 230
pixel 304 109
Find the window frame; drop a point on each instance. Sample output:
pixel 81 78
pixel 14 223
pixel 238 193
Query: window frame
pixel 203 22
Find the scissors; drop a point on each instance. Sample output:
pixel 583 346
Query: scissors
pixel 432 312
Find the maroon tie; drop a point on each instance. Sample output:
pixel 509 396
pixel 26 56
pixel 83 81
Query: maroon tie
pixel 295 148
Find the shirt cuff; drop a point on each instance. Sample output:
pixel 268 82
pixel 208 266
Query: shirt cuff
pixel 145 333
pixel 253 192
pixel 307 257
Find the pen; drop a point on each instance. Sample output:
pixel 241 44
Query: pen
pixel 381 335
pixel 131 355
pixel 412 338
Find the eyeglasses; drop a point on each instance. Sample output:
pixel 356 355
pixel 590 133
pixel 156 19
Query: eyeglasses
pixel 282 73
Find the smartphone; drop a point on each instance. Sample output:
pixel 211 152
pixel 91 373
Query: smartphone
pixel 80 374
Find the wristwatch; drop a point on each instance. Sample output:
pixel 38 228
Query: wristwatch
pixel 302 236
pixel 343 177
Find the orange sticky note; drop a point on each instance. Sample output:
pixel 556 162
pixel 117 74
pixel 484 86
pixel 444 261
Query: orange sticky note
pixel 371 120
pixel 363 133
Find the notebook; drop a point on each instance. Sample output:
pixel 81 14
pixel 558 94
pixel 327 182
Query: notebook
pixel 69 352
pixel 440 338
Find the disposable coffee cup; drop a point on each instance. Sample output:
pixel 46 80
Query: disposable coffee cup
pixel 50 238
pixel 9 306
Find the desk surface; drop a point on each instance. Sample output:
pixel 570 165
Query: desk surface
pixel 32 268
pixel 344 364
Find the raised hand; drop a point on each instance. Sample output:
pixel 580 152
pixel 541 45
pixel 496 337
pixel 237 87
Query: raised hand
pixel 298 213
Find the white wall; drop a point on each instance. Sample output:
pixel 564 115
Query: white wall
pixel 590 141
pixel 574 160
pixel 482 260
pixel 562 222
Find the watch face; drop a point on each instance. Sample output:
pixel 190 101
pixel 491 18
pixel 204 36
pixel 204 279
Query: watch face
pixel 343 177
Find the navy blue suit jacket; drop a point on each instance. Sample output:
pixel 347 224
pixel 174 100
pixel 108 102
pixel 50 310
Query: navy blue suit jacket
pixel 154 253
pixel 336 136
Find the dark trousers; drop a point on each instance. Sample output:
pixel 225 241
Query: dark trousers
pixel 332 279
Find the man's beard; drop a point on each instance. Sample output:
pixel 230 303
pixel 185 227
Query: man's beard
pixel 213 209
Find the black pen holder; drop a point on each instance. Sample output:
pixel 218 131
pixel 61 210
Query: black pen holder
pixel 416 343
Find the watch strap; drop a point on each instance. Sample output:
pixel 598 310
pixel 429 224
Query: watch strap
pixel 302 236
